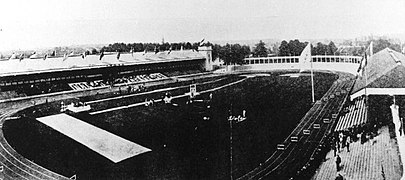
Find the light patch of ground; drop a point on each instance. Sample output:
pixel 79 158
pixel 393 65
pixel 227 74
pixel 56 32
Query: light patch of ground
pixel 378 158
pixel 296 74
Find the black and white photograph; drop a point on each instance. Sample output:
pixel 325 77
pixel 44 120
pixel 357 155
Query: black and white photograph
pixel 202 89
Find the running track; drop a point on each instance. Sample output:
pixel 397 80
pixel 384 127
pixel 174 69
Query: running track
pixel 284 164
pixel 14 166
pixel 281 163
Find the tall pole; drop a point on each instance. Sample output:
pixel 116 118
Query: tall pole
pixel 312 83
pixel 231 150
pixel 312 77
pixel 230 119
pixel 365 74
pixel 365 87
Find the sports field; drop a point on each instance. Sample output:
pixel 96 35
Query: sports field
pixel 184 146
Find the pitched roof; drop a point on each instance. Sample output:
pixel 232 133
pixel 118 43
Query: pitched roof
pixel 384 69
pixel 35 64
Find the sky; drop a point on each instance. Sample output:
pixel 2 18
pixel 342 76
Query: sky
pixel 29 24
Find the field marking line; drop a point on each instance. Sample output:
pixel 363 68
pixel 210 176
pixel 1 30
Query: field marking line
pixel 331 90
pixel 150 92
pixel 159 100
pixel 335 100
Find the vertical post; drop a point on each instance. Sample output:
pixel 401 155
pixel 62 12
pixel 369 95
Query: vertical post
pixel 231 150
pixel 365 87
pixel 207 52
pixel 230 119
pixel 312 78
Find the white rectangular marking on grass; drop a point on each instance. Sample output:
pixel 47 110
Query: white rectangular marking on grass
pixel 109 145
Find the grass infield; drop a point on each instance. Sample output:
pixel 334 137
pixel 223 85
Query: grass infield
pixel 184 146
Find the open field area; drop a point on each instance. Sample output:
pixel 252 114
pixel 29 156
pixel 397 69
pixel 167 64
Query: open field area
pixel 184 146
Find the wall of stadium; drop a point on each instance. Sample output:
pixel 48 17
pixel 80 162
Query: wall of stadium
pixel 349 64
pixel 92 73
pixel 349 68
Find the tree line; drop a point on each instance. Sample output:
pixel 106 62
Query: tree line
pixel 140 47
pixel 229 53
pixel 235 53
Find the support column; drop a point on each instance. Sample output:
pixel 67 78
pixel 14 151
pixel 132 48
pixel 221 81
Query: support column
pixel 400 136
pixel 207 52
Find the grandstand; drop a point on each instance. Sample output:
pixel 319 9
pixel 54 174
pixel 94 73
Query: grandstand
pixel 369 117
pixel 384 75
pixel 27 77
pixel 354 115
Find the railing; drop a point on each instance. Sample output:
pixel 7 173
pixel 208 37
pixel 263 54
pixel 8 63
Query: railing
pixel 348 64
pixel 295 59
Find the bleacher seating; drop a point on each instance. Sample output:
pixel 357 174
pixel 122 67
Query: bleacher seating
pixel 355 116
pixel 87 85
pixel 124 80
pixel 140 78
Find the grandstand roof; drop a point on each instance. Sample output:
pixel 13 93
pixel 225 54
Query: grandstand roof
pixel 384 69
pixel 39 64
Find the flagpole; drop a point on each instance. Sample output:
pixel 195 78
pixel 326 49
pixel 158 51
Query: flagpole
pixel 230 142
pixel 365 87
pixel 365 70
pixel 312 77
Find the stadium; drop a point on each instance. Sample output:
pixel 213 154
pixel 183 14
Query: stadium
pixel 168 115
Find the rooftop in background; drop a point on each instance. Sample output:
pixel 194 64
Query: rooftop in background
pixel 384 69
pixel 16 66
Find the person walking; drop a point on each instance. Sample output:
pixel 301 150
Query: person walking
pixel 338 161
pixel 348 143
pixel 339 177
pixel 334 149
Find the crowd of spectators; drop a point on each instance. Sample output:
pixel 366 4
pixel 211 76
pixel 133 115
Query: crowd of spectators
pixel 39 88
pixel 87 85
pixel 139 78
pixel 118 81
pixel 340 141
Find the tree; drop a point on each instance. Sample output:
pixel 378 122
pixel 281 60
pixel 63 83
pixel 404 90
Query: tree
pixel 320 49
pixel 331 48
pixel 284 50
pixel 94 51
pixel 260 50
pixel 381 44
pixel 232 53
pixel 296 47
pixel 216 48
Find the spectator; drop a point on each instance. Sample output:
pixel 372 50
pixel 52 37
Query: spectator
pixel 334 149
pixel 401 127
pixel 147 102
pixel 129 89
pixel 338 161
pixel 339 177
